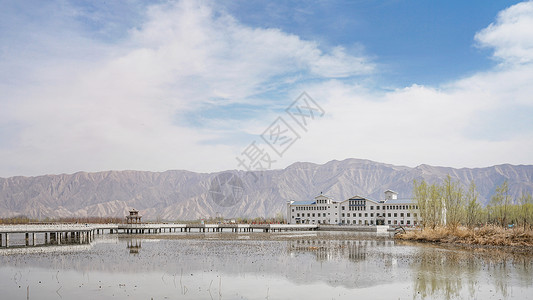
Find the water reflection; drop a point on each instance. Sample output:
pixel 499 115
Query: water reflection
pixel 353 250
pixel 320 265
pixel 40 239
pixel 454 273
pixel 134 245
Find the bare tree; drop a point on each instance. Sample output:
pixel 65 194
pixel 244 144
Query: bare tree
pixel 501 203
pixel 430 203
pixel 454 202
pixel 473 208
pixel 526 210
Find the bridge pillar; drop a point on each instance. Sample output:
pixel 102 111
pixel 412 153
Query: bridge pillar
pixel 0 240
pixel 7 240
pixel 33 239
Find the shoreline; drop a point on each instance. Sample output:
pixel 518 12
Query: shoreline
pixel 483 237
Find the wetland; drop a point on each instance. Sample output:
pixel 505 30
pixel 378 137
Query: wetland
pixel 281 265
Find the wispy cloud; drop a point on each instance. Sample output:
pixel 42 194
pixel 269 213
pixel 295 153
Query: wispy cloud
pixel 83 103
pixel 479 120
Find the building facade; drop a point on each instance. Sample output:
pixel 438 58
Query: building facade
pixel 356 210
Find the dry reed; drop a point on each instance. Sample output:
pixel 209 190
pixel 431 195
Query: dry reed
pixel 489 235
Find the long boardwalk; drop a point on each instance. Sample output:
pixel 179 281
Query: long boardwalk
pixel 84 233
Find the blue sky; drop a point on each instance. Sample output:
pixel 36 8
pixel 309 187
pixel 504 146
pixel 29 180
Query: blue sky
pixel 157 85
pixel 409 37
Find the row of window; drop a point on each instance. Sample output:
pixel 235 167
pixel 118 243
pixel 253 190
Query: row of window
pixel 311 214
pixel 389 215
pixel 396 207
pixel 361 222
pixel 312 207
pixel 389 222
pixel 357 202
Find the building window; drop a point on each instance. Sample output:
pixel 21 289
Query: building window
pixel 371 215
pixel 313 215
pixel 298 214
pixel 342 207
pixel 395 215
pixel 388 215
pixel 371 207
pixel 414 214
pixel 408 215
pixel 366 215
pixel 401 215
pixel 342 215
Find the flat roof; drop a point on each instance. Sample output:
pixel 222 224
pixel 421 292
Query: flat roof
pixel 303 202
pixel 400 201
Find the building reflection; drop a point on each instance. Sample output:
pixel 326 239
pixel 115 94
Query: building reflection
pixel 134 246
pixel 325 250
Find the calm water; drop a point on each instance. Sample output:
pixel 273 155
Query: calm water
pixel 297 265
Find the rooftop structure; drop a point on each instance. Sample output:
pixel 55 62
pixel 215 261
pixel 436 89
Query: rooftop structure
pixel 134 217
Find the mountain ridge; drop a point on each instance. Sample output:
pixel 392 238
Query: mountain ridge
pixel 182 194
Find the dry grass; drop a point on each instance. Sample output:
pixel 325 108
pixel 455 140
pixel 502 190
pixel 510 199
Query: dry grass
pixel 487 235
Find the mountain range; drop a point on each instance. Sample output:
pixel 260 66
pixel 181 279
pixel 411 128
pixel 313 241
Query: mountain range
pixel 181 195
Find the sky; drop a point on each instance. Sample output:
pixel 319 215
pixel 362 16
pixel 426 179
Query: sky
pixel 208 86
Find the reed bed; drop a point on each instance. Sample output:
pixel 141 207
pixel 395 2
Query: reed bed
pixel 488 235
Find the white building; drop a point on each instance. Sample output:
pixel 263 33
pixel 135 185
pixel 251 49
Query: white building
pixel 354 211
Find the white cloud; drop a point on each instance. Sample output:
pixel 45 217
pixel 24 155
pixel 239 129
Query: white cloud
pixel 480 120
pixel 511 35
pixel 91 105
pixel 117 108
